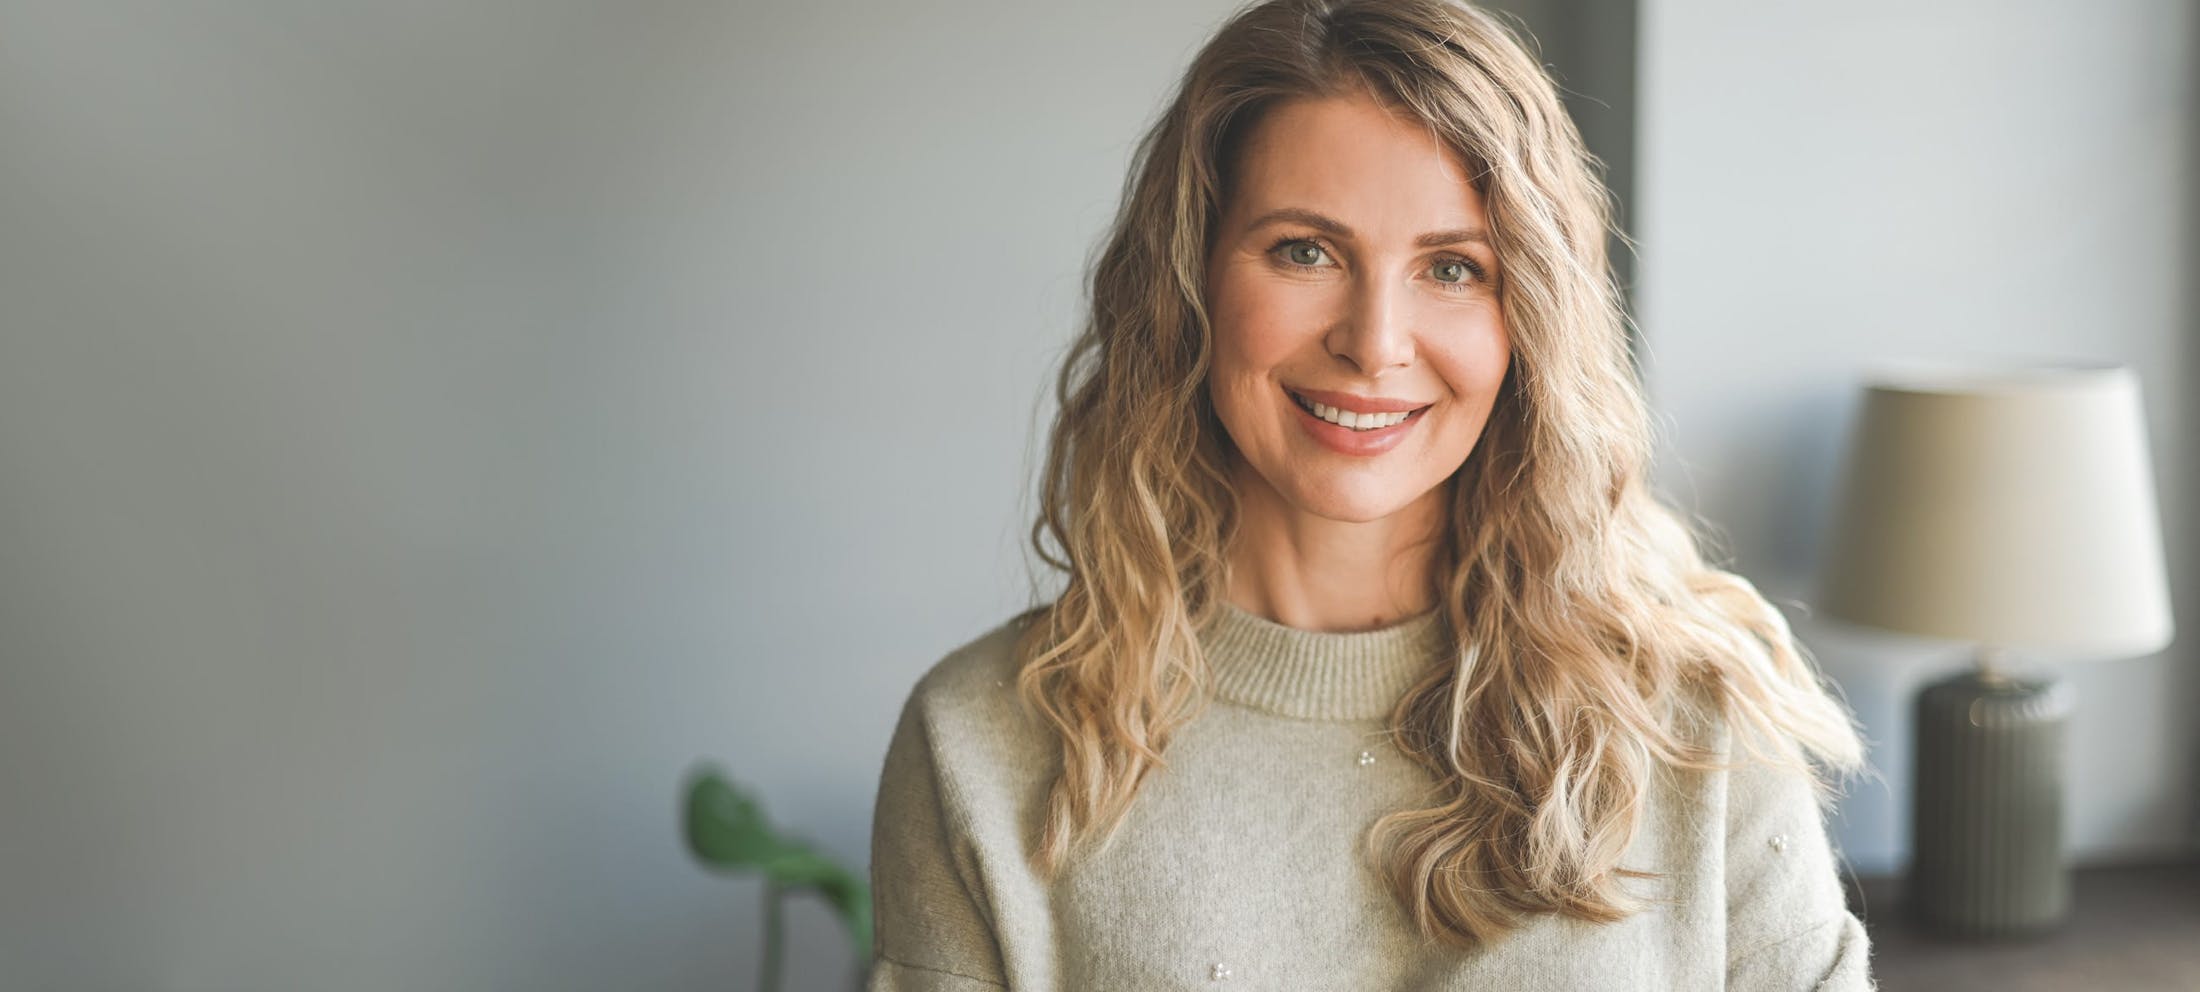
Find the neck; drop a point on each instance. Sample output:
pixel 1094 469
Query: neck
pixel 1320 574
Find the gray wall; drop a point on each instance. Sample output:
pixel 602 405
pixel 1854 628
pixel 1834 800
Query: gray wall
pixel 427 429
pixel 1823 190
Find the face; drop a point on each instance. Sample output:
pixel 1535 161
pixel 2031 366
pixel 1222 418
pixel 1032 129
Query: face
pixel 1346 272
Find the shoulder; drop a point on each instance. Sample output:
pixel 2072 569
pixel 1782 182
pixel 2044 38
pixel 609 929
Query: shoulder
pixel 969 694
pixel 1760 781
pixel 969 673
pixel 1762 812
pixel 965 752
pixel 964 712
pixel 1770 802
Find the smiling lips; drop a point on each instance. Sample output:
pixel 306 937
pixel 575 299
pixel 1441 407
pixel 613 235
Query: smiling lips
pixel 1347 418
pixel 1356 412
pixel 1355 404
pixel 1355 425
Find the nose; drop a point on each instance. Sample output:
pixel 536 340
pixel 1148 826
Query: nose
pixel 1376 334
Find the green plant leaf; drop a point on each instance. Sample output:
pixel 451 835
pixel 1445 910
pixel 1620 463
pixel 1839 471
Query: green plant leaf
pixel 727 830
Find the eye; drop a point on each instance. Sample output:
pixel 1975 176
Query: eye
pixel 1299 252
pixel 1464 267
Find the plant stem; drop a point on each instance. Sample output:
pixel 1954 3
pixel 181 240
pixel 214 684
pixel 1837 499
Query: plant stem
pixel 773 926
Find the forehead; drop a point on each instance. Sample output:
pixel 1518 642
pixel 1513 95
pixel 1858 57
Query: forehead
pixel 1352 158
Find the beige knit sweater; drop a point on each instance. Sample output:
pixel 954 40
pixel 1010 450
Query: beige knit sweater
pixel 1238 867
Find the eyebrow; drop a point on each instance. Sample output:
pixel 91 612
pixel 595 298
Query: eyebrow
pixel 1332 226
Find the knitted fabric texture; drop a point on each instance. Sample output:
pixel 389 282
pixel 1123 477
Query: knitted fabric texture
pixel 1239 865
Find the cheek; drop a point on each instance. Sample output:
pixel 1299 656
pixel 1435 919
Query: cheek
pixel 1476 356
pixel 1246 355
pixel 1256 326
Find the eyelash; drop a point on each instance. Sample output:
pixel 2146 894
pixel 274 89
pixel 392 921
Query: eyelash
pixel 1452 287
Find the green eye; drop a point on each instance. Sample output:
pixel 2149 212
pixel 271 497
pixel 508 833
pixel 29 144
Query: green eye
pixel 1297 252
pixel 1467 268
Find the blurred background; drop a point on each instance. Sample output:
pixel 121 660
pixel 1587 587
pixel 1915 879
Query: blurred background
pixel 428 429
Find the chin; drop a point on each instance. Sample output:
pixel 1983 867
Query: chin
pixel 1354 504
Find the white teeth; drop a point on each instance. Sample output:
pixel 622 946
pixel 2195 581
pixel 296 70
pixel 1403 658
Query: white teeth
pixel 1357 421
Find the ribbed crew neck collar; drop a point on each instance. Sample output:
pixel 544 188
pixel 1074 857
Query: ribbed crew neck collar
pixel 1317 675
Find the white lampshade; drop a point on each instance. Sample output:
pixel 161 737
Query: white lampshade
pixel 2009 505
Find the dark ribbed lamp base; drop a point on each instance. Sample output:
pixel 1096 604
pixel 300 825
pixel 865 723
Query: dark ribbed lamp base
pixel 1987 831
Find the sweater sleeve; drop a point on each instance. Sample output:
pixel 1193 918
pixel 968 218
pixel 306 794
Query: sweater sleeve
pixel 1788 921
pixel 931 931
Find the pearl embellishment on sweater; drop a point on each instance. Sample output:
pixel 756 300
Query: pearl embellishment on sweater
pixel 1779 843
pixel 1221 973
pixel 1366 759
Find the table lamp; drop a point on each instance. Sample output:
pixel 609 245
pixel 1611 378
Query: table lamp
pixel 2010 505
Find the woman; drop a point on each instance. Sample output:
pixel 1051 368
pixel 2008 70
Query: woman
pixel 1378 665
